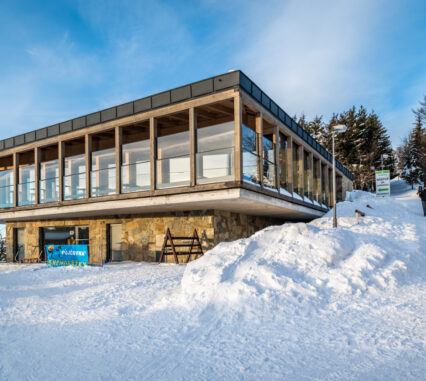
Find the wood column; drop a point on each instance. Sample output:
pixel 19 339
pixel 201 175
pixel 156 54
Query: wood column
pixel 37 175
pixel 277 157
pixel 118 143
pixel 238 149
pixel 15 178
pixel 312 172
pixel 319 182
pixel 153 144
pixel 259 135
pixel 88 152
pixel 301 172
pixel 61 149
pixel 290 183
pixel 192 145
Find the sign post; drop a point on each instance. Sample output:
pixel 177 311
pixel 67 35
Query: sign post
pixel 67 255
pixel 383 183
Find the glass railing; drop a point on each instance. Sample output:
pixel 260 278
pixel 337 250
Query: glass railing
pixel 102 182
pixel 324 199
pixel 49 190
pixel 268 172
pixel 135 177
pixel 251 167
pixel 6 196
pixel 173 172
pixel 216 165
pixel 26 193
pixel 75 186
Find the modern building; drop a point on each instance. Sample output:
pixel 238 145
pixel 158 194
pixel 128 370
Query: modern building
pixel 217 155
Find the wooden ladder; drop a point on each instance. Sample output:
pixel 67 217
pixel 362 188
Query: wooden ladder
pixel 170 248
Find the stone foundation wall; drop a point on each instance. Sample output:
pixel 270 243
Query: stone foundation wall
pixel 143 236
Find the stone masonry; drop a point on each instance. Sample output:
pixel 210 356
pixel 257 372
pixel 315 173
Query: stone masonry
pixel 143 235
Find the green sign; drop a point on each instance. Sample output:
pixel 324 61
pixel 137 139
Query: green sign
pixel 383 183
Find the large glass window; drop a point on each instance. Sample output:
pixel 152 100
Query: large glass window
pixel 296 169
pixel 324 184
pixel 6 182
pixel 49 174
pixel 339 189
pixel 74 170
pixel 215 143
pixel 135 159
pixel 268 156
pixel 317 180
pixel 330 187
pixel 283 161
pixel 250 143
pixel 102 174
pixel 307 169
pixel 26 179
pixel 173 166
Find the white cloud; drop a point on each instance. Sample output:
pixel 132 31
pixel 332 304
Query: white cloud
pixel 320 57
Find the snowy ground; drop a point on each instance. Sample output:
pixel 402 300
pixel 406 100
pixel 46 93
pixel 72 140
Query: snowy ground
pixel 295 302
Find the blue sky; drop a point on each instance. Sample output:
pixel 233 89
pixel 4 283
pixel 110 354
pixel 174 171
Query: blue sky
pixel 62 59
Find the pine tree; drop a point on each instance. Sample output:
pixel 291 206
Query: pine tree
pixel 361 147
pixel 412 153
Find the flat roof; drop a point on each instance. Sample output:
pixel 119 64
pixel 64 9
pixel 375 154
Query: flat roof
pixel 193 90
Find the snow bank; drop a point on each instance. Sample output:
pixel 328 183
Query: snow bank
pixel 298 261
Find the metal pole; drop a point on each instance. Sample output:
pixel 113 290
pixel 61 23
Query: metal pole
pixel 334 184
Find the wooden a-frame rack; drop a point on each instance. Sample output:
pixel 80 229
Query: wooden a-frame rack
pixel 169 246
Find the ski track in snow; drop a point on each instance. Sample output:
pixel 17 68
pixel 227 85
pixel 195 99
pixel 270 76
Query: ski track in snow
pixel 294 302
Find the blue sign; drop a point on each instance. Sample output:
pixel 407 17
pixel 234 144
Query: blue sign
pixel 67 255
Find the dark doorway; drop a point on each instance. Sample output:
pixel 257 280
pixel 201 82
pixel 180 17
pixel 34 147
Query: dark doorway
pixel 114 244
pixel 18 244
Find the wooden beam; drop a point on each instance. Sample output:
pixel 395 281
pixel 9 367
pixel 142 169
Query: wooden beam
pixel 319 183
pixel 290 185
pixel 301 172
pixel 15 179
pixel 61 169
pixel 311 189
pixel 219 108
pixel 88 152
pixel 37 175
pixel 118 143
pixel 153 144
pixel 259 135
pixel 277 157
pixel 192 144
pixel 238 118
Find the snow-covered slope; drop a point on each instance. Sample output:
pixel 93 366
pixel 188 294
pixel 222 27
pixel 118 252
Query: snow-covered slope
pixel 293 302
pixel 383 249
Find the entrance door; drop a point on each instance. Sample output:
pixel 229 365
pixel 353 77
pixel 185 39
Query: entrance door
pixel 19 244
pixel 114 242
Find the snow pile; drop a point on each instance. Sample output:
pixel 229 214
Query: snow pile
pixel 298 261
pixel 295 302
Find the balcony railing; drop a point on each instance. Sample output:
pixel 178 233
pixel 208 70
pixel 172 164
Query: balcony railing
pixel 49 190
pixel 216 165
pixel 268 173
pixel 173 172
pixel 102 182
pixel 6 196
pixel 26 193
pixel 251 167
pixel 135 177
pixel 75 186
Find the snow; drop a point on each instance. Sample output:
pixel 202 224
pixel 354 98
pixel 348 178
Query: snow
pixel 295 195
pixel 296 302
pixel 285 192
